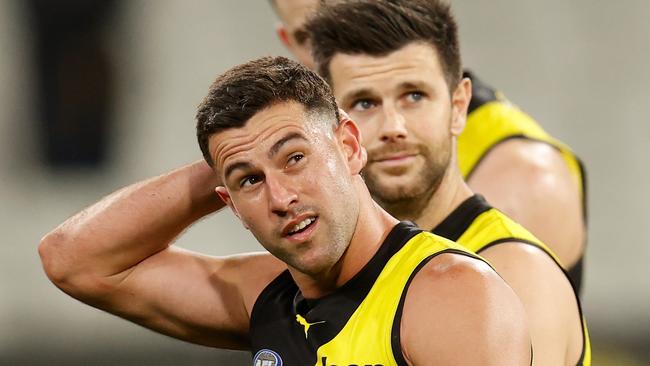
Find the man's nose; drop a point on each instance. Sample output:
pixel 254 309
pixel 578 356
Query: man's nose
pixel 281 195
pixel 393 125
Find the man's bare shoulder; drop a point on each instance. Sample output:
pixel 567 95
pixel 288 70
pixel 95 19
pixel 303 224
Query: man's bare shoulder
pixel 529 160
pixel 530 182
pixel 455 276
pixel 455 301
pixel 537 279
pixel 552 307
pixel 526 260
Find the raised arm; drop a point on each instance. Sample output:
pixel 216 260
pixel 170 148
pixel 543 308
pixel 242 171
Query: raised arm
pixel 458 311
pixel 117 255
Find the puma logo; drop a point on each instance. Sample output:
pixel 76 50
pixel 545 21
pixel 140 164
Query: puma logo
pixel 302 321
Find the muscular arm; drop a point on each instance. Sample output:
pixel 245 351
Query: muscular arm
pixel 116 255
pixel 458 311
pixel 547 296
pixel 530 182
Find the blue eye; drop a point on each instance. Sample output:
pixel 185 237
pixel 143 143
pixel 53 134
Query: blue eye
pixel 415 96
pixel 362 104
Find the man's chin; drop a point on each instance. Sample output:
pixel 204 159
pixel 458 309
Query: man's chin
pixel 402 178
pixel 393 194
pixel 309 264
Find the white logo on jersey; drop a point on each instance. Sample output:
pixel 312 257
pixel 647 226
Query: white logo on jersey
pixel 266 357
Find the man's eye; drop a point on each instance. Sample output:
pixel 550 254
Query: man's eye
pixel 249 181
pixel 415 96
pixel 295 158
pixel 362 105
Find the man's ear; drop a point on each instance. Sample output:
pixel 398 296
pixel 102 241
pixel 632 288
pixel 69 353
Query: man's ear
pixel 459 103
pixel 282 33
pixel 350 137
pixel 222 192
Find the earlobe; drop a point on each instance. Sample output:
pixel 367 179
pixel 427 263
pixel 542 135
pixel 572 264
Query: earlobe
pixel 460 102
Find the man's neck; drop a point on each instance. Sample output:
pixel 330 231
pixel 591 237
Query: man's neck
pixel 451 192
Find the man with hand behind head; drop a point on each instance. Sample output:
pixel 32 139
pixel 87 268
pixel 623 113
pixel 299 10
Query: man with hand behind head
pixel 345 283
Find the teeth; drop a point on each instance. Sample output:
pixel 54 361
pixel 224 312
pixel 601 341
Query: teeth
pixel 301 225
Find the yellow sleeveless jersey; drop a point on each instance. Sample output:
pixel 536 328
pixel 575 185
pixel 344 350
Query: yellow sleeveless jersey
pixel 491 120
pixel 477 226
pixel 356 325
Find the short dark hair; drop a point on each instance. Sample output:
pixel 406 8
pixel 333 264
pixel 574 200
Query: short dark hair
pixel 380 27
pixel 246 89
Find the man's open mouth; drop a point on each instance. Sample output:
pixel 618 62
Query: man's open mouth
pixel 302 225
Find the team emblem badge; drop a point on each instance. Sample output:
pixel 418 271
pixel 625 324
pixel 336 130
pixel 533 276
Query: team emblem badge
pixel 266 357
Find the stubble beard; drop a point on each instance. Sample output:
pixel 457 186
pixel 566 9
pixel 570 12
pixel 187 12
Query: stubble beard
pixel 408 201
pixel 319 258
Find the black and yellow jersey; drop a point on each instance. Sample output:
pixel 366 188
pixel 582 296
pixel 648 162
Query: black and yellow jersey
pixel 491 120
pixel 356 325
pixel 477 226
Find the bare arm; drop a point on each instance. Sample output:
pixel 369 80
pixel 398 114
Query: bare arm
pixel 547 296
pixel 530 182
pixel 458 311
pixel 116 255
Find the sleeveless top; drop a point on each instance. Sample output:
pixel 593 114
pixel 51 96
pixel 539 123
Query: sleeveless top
pixel 492 120
pixel 477 226
pixel 358 324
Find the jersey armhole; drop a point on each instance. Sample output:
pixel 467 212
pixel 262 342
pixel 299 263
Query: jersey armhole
pixel 396 341
pixel 583 325
pixel 265 295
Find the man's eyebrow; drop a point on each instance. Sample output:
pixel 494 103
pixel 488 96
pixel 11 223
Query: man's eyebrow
pixel 409 85
pixel 368 93
pixel 239 165
pixel 278 144
pixel 357 94
pixel 242 165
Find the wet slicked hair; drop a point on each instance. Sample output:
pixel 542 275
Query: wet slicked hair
pixel 243 91
pixel 380 27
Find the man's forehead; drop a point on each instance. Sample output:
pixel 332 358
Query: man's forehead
pixel 263 130
pixel 256 129
pixel 413 63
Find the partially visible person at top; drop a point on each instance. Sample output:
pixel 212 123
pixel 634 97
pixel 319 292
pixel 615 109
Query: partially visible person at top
pixel 395 67
pixel 502 153
pixel 345 283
